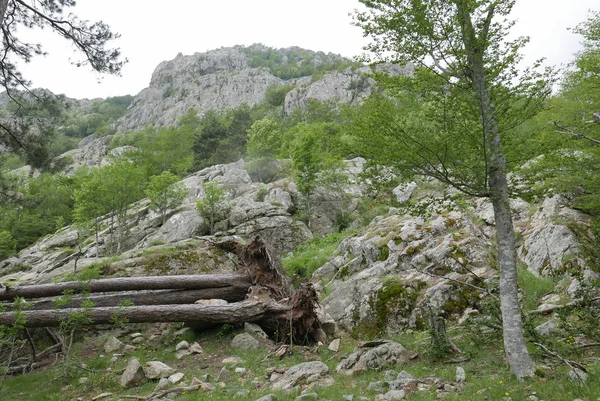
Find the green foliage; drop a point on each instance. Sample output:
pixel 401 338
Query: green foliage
pixel 99 119
pixel 533 287
pixel 221 138
pixel 295 62
pixel 308 257
pixel 212 206
pixel 275 94
pixel 165 193
pixel 8 245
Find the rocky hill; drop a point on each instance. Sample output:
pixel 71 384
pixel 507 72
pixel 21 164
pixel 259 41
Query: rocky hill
pixel 229 77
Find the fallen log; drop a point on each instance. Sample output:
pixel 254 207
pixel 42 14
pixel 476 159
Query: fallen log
pixel 239 312
pixel 160 297
pixel 195 282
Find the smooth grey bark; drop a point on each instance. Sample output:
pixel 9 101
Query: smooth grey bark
pixel 515 347
pixel 3 7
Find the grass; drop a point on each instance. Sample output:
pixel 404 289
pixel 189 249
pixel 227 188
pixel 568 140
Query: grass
pixel 310 256
pixel 533 287
pixel 488 376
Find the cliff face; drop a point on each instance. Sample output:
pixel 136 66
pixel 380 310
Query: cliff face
pixel 229 77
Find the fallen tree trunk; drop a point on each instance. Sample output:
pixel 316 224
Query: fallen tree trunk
pixel 160 297
pixel 195 282
pixel 246 311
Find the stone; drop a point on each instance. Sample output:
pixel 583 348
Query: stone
pixel 390 375
pixel 182 353
pixel 232 360
pixel 307 397
pixel 403 192
pixel 195 348
pixel 136 335
pixel 348 397
pixel 392 395
pixel 268 397
pixel 244 393
pixel 334 345
pixel 380 357
pixel 175 378
pixel 245 341
pixel 377 387
pixel 241 371
pixel 307 373
pixel 404 378
pixel 112 344
pixel 157 369
pixel 133 375
pixel 183 345
pixel 461 376
pixel 577 375
pixel 83 380
pixel 255 330
pixel 224 374
pixel 203 385
pixel 548 246
pixel 128 349
pixel 547 328
pixel 137 340
pixel 163 383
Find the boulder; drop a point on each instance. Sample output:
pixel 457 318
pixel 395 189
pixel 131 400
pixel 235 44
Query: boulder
pixel 383 356
pixel 245 341
pixel 133 374
pixel 314 373
pixel 157 370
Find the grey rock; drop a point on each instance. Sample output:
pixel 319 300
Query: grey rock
pixel 577 375
pixel 112 344
pixel 377 387
pixel 390 375
pixel 157 370
pixel 175 378
pixel 334 345
pixel 404 378
pixel 163 383
pixel 268 397
pixel 461 376
pixel 348 397
pixel 380 357
pixel 232 360
pixel 183 345
pixel 182 353
pixel 403 192
pixel 307 373
pixel 133 374
pixel 548 246
pixel 392 395
pixel 255 330
pixel 307 397
pixel 137 340
pixel 195 348
pixel 224 374
pixel 241 371
pixel 244 393
pixel 245 341
pixel 547 328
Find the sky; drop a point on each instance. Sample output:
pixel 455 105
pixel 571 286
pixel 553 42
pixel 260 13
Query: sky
pixel 154 31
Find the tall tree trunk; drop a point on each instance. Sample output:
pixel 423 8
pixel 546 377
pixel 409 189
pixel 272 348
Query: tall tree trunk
pixel 3 7
pixel 518 357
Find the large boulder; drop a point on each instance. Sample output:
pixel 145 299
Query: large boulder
pixel 314 373
pixel 379 357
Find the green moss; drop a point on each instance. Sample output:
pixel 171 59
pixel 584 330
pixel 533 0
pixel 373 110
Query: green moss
pixel 166 263
pixel 462 297
pixel 384 253
pixel 396 299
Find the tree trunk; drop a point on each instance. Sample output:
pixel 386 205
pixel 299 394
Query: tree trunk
pixel 232 293
pixel 239 312
pixel 518 357
pixel 193 282
pixel 3 7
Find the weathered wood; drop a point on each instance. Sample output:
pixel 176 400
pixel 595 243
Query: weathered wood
pixel 160 297
pixel 246 311
pixel 195 282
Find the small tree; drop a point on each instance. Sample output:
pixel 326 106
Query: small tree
pixel 263 146
pixel 165 193
pixel 212 205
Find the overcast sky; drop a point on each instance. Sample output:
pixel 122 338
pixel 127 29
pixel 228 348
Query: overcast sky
pixel 153 31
